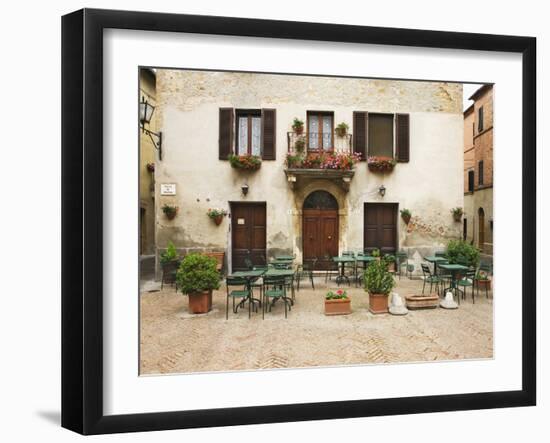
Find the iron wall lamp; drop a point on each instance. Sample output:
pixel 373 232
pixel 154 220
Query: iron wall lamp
pixel 146 110
pixel 244 189
pixel 382 190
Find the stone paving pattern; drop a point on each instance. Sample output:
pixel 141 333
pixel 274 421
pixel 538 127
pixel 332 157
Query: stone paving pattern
pixel 174 341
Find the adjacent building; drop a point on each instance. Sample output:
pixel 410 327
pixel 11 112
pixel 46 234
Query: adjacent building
pixel 305 199
pixel 478 170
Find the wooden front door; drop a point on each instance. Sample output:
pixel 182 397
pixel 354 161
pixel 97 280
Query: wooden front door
pixel 248 234
pixel 380 227
pixel 320 228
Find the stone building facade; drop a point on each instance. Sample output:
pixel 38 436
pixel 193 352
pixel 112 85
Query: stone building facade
pixel 302 211
pixel 478 170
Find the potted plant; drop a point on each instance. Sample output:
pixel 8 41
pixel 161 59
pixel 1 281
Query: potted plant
pixel 300 144
pixel 298 125
pixel 337 303
pixel 380 164
pixel 482 280
pixel 406 215
pixel 342 129
pixel 460 251
pixel 197 277
pixel 151 167
pixel 378 283
pixel 376 253
pixel 247 161
pixel 457 213
pixel 169 260
pixel 390 260
pixel 216 214
pixel 170 211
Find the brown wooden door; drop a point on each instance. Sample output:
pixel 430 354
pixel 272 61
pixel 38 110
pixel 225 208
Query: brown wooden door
pixel 248 234
pixel 320 231
pixel 380 230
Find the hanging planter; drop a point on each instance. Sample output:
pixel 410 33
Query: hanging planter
pixel 406 215
pixel 381 164
pixel 217 215
pixel 170 211
pixel 150 167
pixel 342 129
pixel 247 162
pixel 298 126
pixel 457 214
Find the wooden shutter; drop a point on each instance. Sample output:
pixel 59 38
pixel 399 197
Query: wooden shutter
pixel 403 136
pixel 360 125
pixel 268 134
pixel 225 140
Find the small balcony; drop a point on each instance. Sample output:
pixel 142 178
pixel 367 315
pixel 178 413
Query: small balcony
pixel 314 155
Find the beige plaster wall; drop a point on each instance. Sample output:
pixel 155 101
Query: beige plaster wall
pixel 429 185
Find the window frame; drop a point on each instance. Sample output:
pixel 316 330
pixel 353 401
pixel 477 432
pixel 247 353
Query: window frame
pixel 249 113
pixel 394 134
pixel 471 180
pixel 480 119
pixel 319 115
pixel 480 177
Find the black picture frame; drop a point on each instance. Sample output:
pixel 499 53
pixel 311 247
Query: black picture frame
pixel 82 215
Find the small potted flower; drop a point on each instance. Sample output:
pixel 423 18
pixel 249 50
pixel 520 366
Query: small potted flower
pixel 342 129
pixel 482 280
pixel 217 215
pixel 406 215
pixel 378 283
pixel 170 211
pixel 169 262
pixel 457 213
pixel 337 303
pixel 197 277
pixel 298 125
pixel 150 167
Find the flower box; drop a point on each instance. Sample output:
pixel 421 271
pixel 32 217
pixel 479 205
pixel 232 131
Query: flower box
pixel 247 162
pixel 381 164
pixel 429 301
pixel 340 306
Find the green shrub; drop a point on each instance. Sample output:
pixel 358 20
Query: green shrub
pixel 171 254
pixel 197 273
pixel 378 280
pixel 461 251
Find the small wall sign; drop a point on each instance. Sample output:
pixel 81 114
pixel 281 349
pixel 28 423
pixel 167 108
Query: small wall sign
pixel 240 221
pixel 168 189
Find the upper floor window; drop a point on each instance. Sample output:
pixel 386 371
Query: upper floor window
pixel 480 173
pixel 480 119
pixel 471 181
pixel 249 132
pixel 380 135
pixel 320 128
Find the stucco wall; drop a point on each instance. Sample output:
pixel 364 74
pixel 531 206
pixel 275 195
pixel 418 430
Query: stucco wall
pixel 429 185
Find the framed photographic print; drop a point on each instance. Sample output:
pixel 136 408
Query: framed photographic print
pixel 270 221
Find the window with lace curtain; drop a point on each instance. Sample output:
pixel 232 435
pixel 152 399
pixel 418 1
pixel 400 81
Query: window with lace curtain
pixel 320 128
pixel 249 132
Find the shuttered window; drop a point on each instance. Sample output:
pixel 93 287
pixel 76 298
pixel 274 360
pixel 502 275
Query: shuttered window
pixel 268 134
pixel 225 139
pixel 380 135
pixel 470 181
pixel 360 124
pixel 249 132
pixel 402 131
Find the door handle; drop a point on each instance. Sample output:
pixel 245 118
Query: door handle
pixel 330 237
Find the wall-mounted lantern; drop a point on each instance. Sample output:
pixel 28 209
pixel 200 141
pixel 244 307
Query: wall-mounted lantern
pixel 146 110
pixel 382 190
pixel 244 189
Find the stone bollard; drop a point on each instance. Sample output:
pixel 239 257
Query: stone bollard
pixel 448 302
pixel 397 306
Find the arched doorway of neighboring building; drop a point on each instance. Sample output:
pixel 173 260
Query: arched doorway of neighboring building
pixel 481 228
pixel 320 228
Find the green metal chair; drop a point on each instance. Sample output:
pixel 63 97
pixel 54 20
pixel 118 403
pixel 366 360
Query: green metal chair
pixel 241 294
pixel 274 290
pixel 428 277
pixel 401 260
pixel 467 281
pixel 306 270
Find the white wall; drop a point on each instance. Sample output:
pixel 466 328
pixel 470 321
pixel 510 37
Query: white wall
pixel 30 326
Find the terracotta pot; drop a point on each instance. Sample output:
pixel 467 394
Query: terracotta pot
pixel 378 303
pixel 218 219
pixel 170 215
pixel 339 306
pixel 457 217
pixel 406 219
pixel 341 132
pixel 298 130
pixel 484 284
pixel 200 302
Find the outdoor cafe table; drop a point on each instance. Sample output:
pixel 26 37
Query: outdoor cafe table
pixel 249 276
pixel 341 261
pixel 435 260
pixel 274 272
pixel 284 257
pixel 453 269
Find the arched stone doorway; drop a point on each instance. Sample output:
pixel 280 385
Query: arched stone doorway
pixel 481 228
pixel 320 228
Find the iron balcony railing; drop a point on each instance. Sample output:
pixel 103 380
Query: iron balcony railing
pixel 318 142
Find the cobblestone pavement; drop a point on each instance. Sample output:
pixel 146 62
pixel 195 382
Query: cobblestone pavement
pixel 174 341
